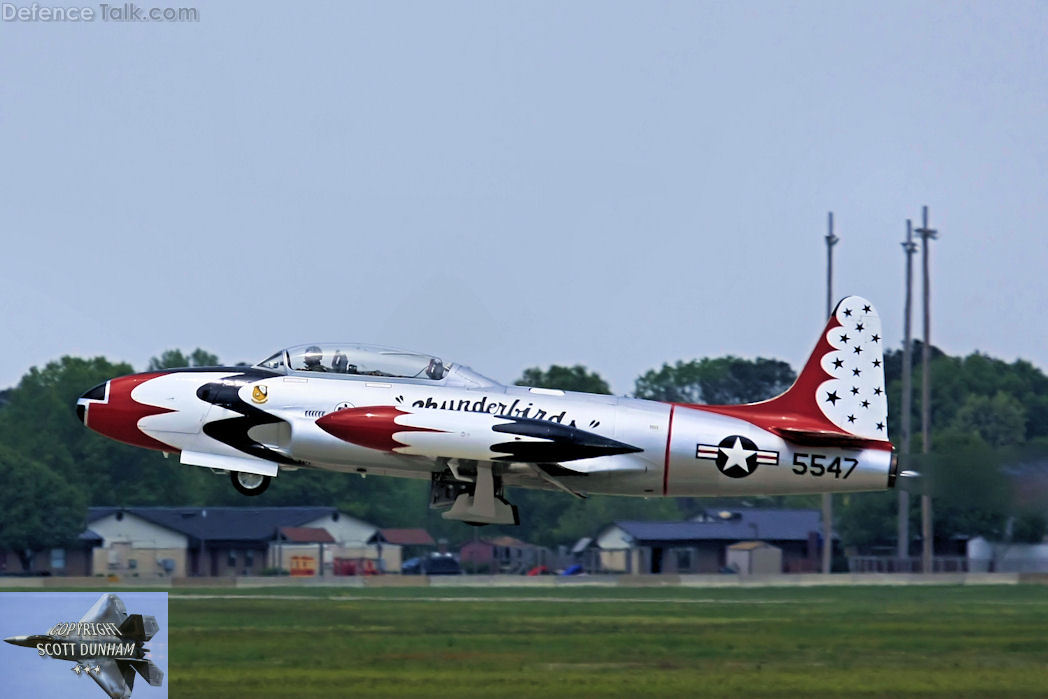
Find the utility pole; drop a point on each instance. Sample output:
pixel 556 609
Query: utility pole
pixel 909 247
pixel 827 498
pixel 927 234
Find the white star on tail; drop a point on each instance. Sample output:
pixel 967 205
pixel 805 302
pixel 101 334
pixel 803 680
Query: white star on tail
pixel 737 456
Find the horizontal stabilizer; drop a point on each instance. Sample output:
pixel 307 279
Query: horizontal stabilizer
pixel 149 671
pixel 138 627
pixel 115 677
pixel 821 438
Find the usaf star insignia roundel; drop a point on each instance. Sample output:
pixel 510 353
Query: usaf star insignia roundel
pixel 736 456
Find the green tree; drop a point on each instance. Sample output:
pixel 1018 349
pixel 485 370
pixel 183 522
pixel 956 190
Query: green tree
pixel 999 420
pixel 38 508
pixel 954 380
pixel 866 520
pixel 574 378
pixel 716 381
pixel 584 518
pixel 175 359
pixel 39 421
pixel 388 502
pixel 972 492
pixel 1029 528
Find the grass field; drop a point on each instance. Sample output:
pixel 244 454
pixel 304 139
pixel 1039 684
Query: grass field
pixel 818 641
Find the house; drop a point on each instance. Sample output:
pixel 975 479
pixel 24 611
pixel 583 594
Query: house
pixel 299 549
pixel 502 554
pixel 700 545
pixel 225 541
pixel 991 556
pixel 754 558
pixel 72 559
pixel 413 543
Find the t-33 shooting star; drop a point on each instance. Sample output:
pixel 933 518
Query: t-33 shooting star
pixel 378 411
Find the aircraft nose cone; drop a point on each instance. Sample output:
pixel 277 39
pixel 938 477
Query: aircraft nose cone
pixel 98 393
pixel 111 410
pixel 18 641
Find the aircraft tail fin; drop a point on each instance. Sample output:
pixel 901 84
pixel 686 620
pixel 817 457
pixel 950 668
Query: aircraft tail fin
pixel 839 397
pixel 843 380
pixel 138 628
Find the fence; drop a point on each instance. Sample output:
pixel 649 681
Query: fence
pixel 912 564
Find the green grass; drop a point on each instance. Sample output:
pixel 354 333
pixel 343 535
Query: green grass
pixel 818 641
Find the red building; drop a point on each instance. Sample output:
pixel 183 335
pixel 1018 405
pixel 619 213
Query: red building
pixel 502 554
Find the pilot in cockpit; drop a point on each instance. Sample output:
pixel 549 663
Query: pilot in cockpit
pixel 435 370
pixel 312 359
pixel 339 363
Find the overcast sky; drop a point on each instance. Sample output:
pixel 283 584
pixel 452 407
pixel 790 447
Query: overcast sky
pixel 518 184
pixel 24 673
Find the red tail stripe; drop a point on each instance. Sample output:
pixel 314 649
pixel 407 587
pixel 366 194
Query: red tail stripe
pixel 796 409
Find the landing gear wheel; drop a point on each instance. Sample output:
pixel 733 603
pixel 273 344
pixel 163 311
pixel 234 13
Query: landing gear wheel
pixel 249 483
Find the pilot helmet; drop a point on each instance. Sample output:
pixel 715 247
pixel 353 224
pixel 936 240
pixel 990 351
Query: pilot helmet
pixel 313 356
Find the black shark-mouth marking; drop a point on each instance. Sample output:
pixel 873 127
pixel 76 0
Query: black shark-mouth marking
pixel 233 431
pixel 564 443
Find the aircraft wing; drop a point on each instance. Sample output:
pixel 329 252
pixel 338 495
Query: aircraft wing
pixel 108 608
pixel 115 677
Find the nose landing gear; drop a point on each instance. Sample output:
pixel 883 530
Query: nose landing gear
pixel 249 483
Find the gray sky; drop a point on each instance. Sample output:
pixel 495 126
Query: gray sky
pixel 517 184
pixel 24 673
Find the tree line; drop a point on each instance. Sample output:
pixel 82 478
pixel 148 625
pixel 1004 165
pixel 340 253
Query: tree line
pixel 990 442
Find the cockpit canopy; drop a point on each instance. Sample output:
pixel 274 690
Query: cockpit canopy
pixel 357 360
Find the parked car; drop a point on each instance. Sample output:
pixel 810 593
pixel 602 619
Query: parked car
pixel 433 564
pixel 441 564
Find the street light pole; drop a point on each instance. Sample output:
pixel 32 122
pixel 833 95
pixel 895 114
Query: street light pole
pixel 927 234
pixel 909 248
pixel 827 498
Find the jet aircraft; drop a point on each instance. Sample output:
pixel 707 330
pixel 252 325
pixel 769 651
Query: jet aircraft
pixel 107 645
pixel 387 412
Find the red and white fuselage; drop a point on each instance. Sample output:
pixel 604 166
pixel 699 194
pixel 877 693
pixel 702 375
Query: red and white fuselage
pixel 387 412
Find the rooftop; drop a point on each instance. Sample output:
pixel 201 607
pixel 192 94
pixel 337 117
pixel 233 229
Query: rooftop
pixel 223 523
pixel 405 537
pixel 306 535
pixel 737 525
